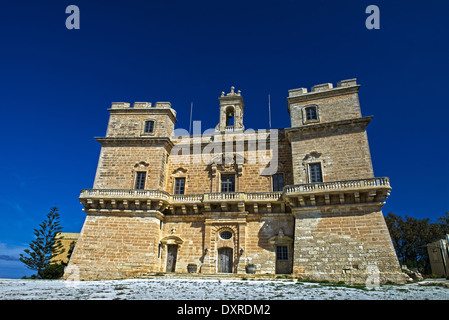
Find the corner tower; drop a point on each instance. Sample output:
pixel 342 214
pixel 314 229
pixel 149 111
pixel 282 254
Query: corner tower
pixel 340 231
pixel 121 234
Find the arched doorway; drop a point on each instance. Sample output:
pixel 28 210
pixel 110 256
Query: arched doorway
pixel 225 259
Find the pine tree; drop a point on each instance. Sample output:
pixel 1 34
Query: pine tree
pixel 46 246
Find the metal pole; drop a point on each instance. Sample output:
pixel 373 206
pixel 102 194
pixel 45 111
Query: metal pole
pixel 269 112
pixel 190 123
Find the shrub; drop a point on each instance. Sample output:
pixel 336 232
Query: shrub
pixel 53 271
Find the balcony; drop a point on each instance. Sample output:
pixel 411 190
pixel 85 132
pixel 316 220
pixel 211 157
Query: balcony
pixel 303 195
pixel 146 200
pixel 338 192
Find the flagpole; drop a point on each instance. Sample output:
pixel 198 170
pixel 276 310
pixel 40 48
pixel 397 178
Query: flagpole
pixel 190 123
pixel 269 112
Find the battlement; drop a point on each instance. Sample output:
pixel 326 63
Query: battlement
pixel 322 87
pixel 140 105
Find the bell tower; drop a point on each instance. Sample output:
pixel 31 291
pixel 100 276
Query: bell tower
pixel 231 112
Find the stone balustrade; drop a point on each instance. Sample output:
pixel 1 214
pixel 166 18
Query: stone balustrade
pixel 180 198
pixel 338 186
pixel 122 193
pixel 372 190
pixel 326 193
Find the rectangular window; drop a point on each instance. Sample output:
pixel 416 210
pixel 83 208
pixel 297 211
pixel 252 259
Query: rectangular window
pixel 140 180
pixel 315 173
pixel 311 113
pixel 149 126
pixel 227 183
pixel 282 253
pixel 278 182
pixel 179 185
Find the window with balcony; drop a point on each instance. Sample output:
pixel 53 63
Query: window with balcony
pixel 180 185
pixel 227 183
pixel 315 173
pixel 140 180
pixel 278 182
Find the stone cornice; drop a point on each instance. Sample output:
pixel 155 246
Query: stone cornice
pixel 363 122
pixel 144 141
pixel 124 213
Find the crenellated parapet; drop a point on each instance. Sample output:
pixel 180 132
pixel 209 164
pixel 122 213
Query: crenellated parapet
pixel 142 119
pixel 324 103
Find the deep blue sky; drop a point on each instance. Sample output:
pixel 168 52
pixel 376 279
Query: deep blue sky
pixel 57 84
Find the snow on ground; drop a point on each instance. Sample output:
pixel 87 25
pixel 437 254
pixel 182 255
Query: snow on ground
pixel 194 289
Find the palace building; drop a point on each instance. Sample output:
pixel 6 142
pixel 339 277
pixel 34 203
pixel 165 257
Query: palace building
pixel 301 200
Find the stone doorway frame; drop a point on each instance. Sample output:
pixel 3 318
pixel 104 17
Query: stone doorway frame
pixel 167 242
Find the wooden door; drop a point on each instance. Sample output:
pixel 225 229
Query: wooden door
pixel 225 260
pixel 172 253
pixel 283 261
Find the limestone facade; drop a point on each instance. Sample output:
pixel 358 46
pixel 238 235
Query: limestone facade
pixel 301 200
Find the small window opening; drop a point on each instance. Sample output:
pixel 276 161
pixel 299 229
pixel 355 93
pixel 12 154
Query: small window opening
pixel 149 126
pixel 226 235
pixel 282 253
pixel 311 113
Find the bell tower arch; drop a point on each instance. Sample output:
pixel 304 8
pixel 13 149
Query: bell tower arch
pixel 231 112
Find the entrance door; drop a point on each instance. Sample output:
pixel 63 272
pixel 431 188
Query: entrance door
pixel 283 263
pixel 172 253
pixel 225 260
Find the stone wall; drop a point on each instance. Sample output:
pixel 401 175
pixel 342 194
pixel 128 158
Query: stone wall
pixel 343 152
pixel 115 247
pixel 196 169
pixel 347 243
pixel 119 163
